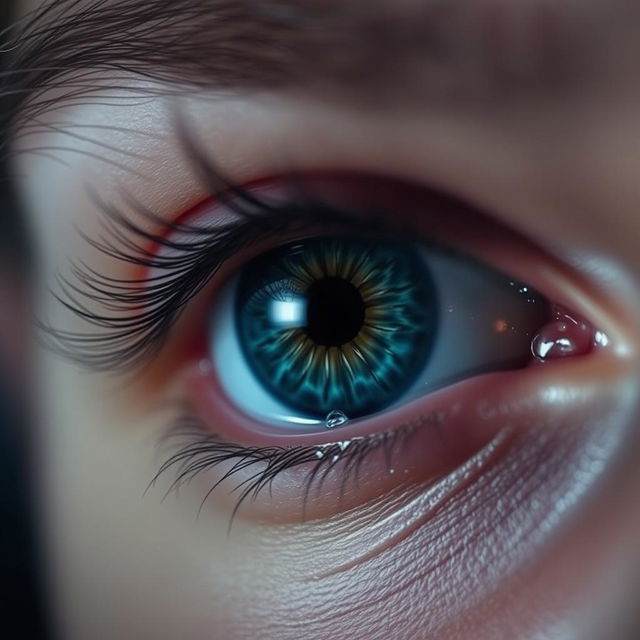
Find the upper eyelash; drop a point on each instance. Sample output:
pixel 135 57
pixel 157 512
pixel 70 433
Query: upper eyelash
pixel 204 451
pixel 134 316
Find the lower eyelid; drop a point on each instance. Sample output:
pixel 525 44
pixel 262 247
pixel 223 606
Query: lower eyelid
pixel 449 427
pixel 469 408
pixel 445 430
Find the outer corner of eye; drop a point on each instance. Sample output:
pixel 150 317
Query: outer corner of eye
pixel 346 339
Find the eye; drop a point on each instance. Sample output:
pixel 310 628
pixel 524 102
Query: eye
pixel 325 330
pixel 387 334
pixel 322 329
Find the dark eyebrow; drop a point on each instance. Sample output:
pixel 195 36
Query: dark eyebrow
pixel 363 49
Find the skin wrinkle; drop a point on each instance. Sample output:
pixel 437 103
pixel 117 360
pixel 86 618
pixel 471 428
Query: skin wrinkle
pixel 423 507
pixel 433 608
pixel 542 461
pixel 498 488
pixel 238 627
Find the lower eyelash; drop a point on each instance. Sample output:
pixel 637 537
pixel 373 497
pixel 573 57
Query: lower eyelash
pixel 203 452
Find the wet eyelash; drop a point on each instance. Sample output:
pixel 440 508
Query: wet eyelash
pixel 130 318
pixel 205 451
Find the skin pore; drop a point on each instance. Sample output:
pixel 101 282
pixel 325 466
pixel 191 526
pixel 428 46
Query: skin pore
pixel 527 113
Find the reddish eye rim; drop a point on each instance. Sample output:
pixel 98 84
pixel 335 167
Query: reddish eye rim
pixel 502 248
pixel 456 226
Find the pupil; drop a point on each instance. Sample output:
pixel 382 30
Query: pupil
pixel 335 312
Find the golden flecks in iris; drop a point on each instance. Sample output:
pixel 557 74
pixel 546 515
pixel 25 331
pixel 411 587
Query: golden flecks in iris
pixel 350 363
pixel 376 317
pixel 335 260
pixel 332 260
pixel 365 338
pixel 353 354
pixel 353 269
pixel 304 273
pixel 298 345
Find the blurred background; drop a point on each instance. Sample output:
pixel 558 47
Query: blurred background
pixel 21 609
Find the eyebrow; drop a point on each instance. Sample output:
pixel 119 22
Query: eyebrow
pixel 361 49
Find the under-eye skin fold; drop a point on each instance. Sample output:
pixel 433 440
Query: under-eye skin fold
pixel 348 326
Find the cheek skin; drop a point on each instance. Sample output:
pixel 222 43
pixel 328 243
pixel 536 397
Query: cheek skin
pixel 418 564
pixel 482 547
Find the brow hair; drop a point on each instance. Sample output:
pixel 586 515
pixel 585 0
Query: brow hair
pixel 67 45
pixel 66 49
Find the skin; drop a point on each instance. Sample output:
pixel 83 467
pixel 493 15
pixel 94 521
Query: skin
pixel 537 540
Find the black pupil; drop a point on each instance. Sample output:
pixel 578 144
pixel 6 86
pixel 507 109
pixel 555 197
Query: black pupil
pixel 335 312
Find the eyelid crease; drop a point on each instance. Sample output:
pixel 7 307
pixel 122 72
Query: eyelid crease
pixel 128 318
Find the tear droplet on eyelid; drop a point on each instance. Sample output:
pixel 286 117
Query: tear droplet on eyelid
pixel 335 419
pixel 566 336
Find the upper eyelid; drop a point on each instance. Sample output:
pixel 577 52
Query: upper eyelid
pixel 134 313
pixel 129 316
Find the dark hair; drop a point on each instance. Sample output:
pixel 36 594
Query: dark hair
pixel 13 237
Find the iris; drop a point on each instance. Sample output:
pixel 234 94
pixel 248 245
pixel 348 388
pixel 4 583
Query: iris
pixel 337 323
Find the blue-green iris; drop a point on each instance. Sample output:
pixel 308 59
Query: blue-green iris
pixel 337 323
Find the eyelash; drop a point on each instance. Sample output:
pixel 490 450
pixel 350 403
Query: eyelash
pixel 203 452
pixel 138 313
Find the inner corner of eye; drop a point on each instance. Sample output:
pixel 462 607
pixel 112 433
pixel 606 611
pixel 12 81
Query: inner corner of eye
pixel 322 331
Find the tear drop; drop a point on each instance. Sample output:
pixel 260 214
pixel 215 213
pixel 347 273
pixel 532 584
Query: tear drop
pixel 564 337
pixel 335 419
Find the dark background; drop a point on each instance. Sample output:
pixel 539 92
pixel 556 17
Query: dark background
pixel 21 610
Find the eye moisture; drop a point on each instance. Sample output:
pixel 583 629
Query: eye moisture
pixel 566 336
pixel 309 352
pixel 330 330
pixel 337 324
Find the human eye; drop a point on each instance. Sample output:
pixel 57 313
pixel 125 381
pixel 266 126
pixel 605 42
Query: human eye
pixel 478 485
pixel 332 336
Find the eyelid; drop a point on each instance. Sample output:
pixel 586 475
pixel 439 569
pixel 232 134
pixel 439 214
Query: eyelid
pixel 469 409
pixel 496 246
pixel 444 431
